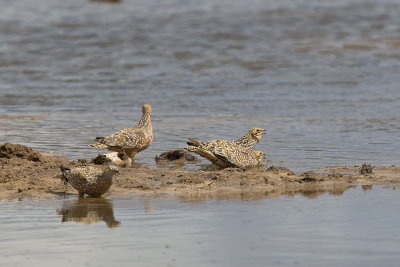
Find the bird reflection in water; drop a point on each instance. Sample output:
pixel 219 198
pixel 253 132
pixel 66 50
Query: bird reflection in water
pixel 88 211
pixel 366 187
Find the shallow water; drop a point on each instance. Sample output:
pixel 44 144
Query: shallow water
pixel 358 227
pixel 321 76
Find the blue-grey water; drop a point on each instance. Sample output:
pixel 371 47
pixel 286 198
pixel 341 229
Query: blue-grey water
pixel 356 228
pixel 321 76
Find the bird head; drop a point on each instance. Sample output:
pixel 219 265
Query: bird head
pixel 257 133
pixel 111 169
pixel 146 108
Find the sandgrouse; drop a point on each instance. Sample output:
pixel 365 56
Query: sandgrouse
pixel 130 141
pixel 237 153
pixel 89 180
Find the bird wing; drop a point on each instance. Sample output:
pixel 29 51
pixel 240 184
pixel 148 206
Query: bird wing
pixel 214 144
pixel 130 137
pixel 233 154
pixel 220 151
pixel 225 154
pixel 85 175
pixel 202 152
pixel 208 155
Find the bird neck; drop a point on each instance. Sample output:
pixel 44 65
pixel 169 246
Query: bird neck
pixel 247 140
pixel 145 121
pixel 108 175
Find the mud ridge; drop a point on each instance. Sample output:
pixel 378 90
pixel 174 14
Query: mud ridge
pixel 25 172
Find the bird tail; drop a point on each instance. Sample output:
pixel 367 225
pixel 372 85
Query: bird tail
pixel 190 148
pixel 65 171
pixel 208 155
pixel 98 145
pixel 194 142
pixel 197 150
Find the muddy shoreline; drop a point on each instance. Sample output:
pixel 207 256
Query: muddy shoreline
pixel 28 173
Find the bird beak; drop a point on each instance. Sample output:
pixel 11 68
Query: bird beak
pixel 264 131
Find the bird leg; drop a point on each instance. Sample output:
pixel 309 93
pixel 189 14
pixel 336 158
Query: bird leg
pixel 130 154
pixel 129 162
pixel 127 158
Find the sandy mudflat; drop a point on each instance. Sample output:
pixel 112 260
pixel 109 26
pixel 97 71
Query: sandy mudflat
pixel 28 173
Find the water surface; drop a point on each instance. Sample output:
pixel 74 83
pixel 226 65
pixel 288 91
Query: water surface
pixel 355 227
pixel 321 76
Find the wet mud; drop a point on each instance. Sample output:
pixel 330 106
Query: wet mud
pixel 25 172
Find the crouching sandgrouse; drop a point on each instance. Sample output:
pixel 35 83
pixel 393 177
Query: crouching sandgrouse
pixel 237 153
pixel 89 180
pixel 130 141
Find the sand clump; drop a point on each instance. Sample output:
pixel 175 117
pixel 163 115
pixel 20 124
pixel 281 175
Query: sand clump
pixel 25 172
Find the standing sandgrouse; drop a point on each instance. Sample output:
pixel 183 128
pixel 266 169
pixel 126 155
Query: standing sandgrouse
pixel 238 153
pixel 89 180
pixel 130 141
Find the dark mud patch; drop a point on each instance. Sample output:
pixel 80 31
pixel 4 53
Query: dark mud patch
pixel 8 150
pixel 175 155
pixel 101 160
pixel 366 169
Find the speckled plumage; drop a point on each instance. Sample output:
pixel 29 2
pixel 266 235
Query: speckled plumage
pixel 130 141
pixel 247 142
pixel 224 153
pixel 236 159
pixel 89 180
